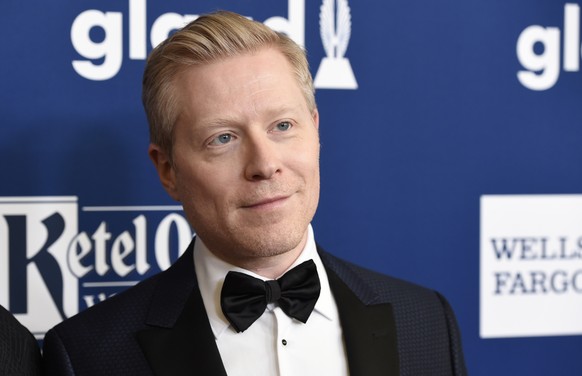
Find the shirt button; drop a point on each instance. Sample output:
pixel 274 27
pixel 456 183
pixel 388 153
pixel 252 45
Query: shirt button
pixel 284 342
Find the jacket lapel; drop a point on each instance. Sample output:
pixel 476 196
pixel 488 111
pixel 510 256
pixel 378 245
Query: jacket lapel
pixel 369 330
pixel 179 339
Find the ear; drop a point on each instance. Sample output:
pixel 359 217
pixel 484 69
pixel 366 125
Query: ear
pixel 165 169
pixel 315 117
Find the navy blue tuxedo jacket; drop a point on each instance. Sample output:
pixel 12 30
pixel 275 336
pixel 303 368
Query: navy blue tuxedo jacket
pixel 160 327
pixel 19 351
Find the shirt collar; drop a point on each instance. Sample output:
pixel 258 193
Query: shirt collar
pixel 211 271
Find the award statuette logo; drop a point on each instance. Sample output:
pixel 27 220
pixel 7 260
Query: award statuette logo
pixel 335 71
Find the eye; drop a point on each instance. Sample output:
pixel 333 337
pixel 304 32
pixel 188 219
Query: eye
pixel 221 139
pixel 283 126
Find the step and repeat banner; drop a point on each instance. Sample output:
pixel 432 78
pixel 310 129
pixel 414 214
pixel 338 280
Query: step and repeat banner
pixel 451 137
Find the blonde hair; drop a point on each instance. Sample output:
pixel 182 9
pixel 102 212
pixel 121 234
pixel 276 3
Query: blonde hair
pixel 209 38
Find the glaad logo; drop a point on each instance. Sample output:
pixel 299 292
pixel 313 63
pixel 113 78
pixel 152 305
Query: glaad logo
pixel 103 60
pixel 335 71
pixel 50 271
pixel 543 64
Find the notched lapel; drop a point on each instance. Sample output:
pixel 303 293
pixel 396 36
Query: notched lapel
pixel 369 332
pixel 178 339
pixel 187 348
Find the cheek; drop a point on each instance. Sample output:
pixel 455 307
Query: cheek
pixel 308 164
pixel 310 159
pixel 189 181
pixel 203 186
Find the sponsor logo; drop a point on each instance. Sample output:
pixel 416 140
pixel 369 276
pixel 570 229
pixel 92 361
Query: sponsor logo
pixel 50 270
pixel 539 51
pixel 103 59
pixel 531 265
pixel 335 71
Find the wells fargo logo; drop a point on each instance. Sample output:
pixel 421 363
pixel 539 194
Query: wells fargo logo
pixel 531 265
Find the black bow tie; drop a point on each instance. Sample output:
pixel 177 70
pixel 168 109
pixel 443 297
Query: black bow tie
pixel 244 298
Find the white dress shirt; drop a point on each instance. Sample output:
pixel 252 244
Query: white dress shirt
pixel 275 344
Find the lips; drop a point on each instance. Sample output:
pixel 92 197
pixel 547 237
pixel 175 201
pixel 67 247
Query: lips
pixel 267 202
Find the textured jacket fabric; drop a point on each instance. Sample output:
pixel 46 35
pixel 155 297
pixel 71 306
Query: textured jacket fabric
pixel 160 327
pixel 19 351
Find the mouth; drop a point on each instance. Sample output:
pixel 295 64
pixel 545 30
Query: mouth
pixel 267 203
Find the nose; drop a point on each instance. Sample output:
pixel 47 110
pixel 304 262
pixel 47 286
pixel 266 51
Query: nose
pixel 262 158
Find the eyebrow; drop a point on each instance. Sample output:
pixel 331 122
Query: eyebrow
pixel 217 122
pixel 283 109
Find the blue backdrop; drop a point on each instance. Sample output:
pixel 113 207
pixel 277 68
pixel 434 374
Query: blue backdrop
pixel 438 119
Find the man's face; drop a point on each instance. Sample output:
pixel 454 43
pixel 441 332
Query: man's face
pixel 245 156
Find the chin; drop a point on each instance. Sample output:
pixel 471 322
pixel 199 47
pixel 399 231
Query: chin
pixel 273 242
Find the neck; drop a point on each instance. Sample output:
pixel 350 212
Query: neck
pixel 272 267
pixel 267 265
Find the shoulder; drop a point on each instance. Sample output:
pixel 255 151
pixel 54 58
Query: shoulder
pixel 100 335
pixel 132 307
pixel 373 287
pixel 19 352
pixel 102 338
pixel 122 309
pixel 427 330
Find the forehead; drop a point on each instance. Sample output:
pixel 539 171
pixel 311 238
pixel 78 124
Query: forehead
pixel 245 78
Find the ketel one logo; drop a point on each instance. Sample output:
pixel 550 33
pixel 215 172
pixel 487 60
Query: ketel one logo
pixel 50 271
pixel 36 284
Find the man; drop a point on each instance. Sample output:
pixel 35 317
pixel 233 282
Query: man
pixel 234 138
pixel 19 352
